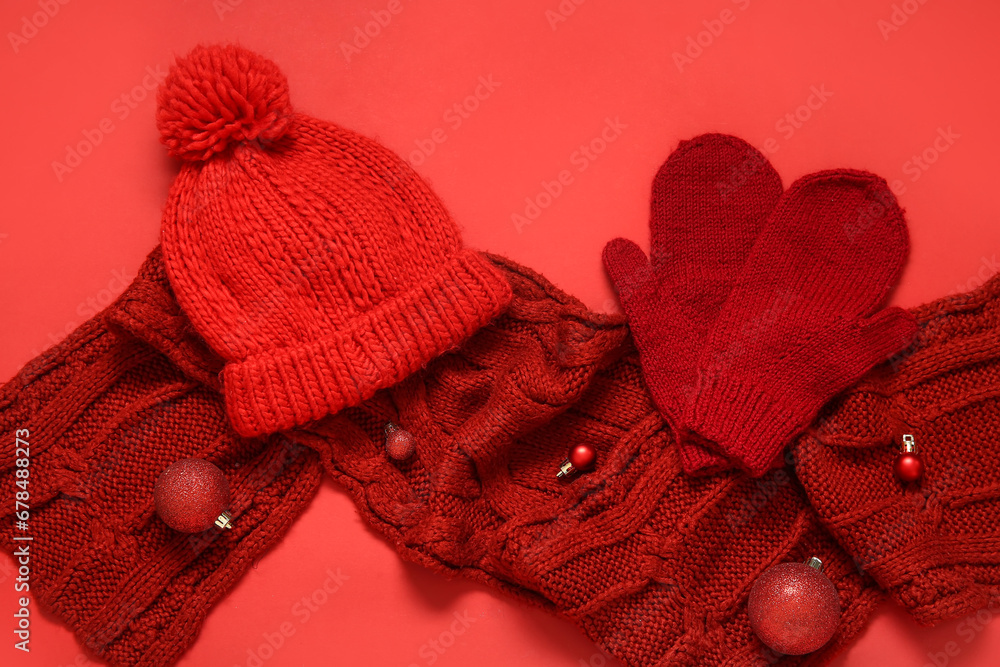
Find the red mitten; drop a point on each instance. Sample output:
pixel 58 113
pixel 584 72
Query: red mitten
pixel 803 320
pixel 710 200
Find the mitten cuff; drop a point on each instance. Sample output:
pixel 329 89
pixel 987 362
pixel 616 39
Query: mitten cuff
pixel 740 419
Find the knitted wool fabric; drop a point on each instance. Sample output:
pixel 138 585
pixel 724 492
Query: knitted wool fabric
pixel 654 565
pixel 934 544
pixel 804 320
pixel 105 411
pixel 710 200
pixel 313 260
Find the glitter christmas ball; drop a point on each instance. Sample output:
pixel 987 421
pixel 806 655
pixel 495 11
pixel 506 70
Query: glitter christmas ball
pixel 399 443
pixel 794 608
pixel 191 494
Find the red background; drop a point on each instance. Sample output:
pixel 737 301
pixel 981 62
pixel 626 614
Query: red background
pixel 892 76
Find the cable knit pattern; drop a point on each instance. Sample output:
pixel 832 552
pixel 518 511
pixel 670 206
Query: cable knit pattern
pixel 654 565
pixel 313 260
pixel 126 394
pixel 651 563
pixel 934 545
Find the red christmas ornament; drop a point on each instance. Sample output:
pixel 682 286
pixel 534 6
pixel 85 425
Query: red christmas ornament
pixel 580 459
pixel 583 457
pixel 908 466
pixel 191 495
pixel 399 443
pixel 794 608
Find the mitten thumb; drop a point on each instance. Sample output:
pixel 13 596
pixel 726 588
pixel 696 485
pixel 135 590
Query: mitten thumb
pixel 628 268
pixel 863 344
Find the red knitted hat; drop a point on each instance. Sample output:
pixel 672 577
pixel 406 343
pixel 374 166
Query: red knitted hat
pixel 933 544
pixel 654 565
pixel 103 413
pixel 313 260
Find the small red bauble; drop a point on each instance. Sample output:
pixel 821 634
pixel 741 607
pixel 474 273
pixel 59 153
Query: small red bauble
pixel 399 443
pixel 908 466
pixel 582 457
pixel 191 495
pixel 794 607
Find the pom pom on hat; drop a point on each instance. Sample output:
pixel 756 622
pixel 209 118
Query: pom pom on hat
pixel 217 96
pixel 317 265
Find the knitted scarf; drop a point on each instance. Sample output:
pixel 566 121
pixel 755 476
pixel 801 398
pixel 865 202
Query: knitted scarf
pixel 652 564
pixel 99 416
pixel 935 544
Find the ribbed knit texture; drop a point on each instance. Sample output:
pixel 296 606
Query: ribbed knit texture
pixel 935 544
pixel 126 394
pixel 313 260
pixel 654 565
pixel 804 320
pixel 710 200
